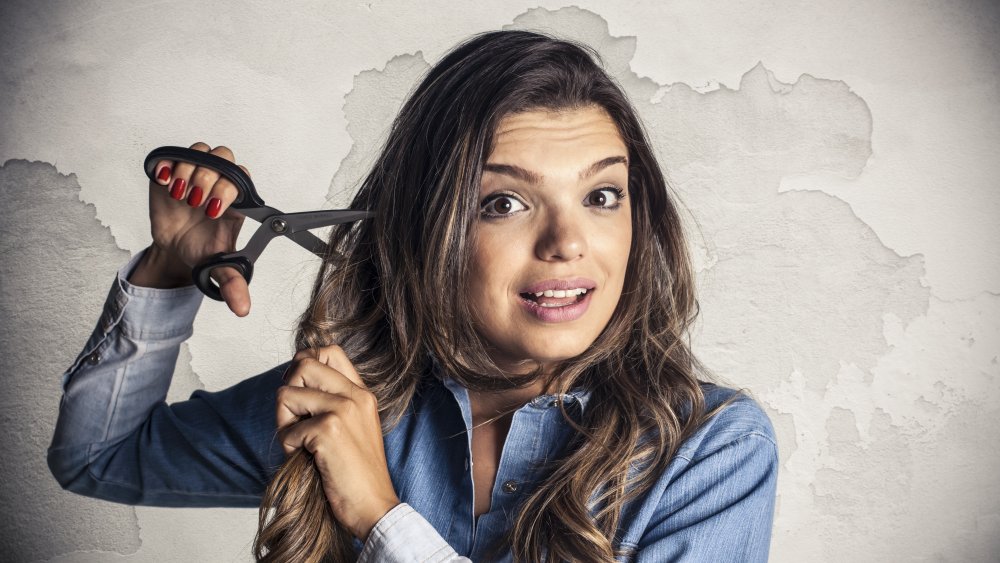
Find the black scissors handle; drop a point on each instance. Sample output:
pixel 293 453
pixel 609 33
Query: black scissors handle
pixel 247 196
pixel 202 272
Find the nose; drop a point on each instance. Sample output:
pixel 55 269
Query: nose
pixel 561 238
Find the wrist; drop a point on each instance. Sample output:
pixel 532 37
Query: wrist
pixel 159 269
pixel 367 524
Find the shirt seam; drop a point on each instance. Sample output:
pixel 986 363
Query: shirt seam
pixel 144 489
pixel 752 434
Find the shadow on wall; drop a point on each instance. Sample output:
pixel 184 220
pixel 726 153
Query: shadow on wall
pixel 58 263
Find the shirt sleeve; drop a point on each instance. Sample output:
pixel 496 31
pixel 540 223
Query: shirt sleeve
pixel 719 506
pixel 404 536
pixel 117 439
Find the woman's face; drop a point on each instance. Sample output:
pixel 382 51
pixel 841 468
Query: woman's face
pixel 553 236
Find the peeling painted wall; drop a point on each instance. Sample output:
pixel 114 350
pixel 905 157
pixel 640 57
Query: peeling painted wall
pixel 837 165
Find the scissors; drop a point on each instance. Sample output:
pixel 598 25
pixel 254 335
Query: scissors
pixel 274 223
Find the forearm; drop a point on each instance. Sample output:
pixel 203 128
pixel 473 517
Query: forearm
pixel 157 269
pixel 123 371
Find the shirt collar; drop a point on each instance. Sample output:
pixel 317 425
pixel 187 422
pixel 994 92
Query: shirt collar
pixel 546 401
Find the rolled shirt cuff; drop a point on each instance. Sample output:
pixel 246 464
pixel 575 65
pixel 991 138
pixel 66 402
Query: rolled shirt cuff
pixel 404 536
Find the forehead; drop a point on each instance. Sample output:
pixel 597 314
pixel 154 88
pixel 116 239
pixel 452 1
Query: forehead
pixel 544 136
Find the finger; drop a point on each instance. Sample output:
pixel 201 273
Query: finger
pixel 304 353
pixel 304 434
pixel 234 289
pixel 181 175
pixel 335 357
pixel 297 403
pixel 205 177
pixel 325 428
pixel 163 171
pixel 202 179
pixel 221 193
pixel 307 371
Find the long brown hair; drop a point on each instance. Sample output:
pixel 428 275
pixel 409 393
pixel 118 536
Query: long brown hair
pixel 380 301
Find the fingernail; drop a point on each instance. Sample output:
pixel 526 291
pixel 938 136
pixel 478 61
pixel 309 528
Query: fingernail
pixel 177 191
pixel 164 174
pixel 214 207
pixel 194 198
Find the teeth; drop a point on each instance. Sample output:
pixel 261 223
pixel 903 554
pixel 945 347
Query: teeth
pixel 561 292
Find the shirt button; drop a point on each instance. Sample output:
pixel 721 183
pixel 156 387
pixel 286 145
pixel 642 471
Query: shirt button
pixel 93 358
pixel 466 463
pixel 510 487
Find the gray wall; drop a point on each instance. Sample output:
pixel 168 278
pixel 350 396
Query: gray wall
pixel 838 164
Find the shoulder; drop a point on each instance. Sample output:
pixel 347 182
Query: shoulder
pixel 740 421
pixel 715 499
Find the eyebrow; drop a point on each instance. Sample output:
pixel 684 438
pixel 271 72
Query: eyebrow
pixel 534 178
pixel 602 164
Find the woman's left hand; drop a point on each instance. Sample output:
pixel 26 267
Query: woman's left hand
pixel 325 408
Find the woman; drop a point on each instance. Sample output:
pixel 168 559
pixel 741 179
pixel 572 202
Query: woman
pixel 494 366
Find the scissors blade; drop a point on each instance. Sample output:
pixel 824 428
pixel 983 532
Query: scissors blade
pixel 260 214
pixel 305 220
pixel 296 227
pixel 310 242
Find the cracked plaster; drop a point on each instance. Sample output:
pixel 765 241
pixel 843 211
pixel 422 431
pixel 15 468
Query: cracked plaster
pixel 50 251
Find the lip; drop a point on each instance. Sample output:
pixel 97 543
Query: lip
pixel 571 283
pixel 562 314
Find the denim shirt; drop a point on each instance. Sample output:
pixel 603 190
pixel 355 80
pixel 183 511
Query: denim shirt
pixel 117 439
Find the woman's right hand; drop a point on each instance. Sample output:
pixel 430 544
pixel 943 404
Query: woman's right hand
pixel 190 220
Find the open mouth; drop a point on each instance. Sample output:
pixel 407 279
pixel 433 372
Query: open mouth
pixel 553 298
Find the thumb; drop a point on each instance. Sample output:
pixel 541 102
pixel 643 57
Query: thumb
pixel 234 289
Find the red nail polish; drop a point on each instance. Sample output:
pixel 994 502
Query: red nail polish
pixel 214 207
pixel 194 198
pixel 177 191
pixel 164 174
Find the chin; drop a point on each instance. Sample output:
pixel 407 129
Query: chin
pixel 532 357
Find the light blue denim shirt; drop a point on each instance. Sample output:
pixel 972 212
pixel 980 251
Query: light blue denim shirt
pixel 117 439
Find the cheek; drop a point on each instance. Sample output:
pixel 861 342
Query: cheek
pixel 619 248
pixel 488 258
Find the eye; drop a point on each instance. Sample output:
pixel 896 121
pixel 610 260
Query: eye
pixel 500 205
pixel 609 197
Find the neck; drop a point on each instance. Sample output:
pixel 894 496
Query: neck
pixel 490 404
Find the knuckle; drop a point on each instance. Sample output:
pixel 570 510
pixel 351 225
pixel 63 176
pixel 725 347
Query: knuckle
pixel 224 152
pixel 330 423
pixel 337 352
pixel 205 176
pixel 367 400
pixel 226 191
pixel 200 146
pixel 282 393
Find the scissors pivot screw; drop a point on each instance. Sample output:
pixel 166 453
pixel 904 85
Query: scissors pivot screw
pixel 279 225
